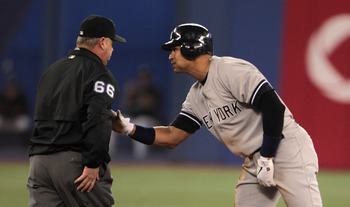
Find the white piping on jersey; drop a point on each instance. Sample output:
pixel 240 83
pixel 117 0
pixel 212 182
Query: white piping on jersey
pixel 256 91
pixel 188 116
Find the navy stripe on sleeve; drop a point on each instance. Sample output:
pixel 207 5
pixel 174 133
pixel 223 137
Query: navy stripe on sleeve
pixel 187 122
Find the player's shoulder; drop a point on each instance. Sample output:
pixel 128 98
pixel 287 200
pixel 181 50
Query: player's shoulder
pixel 231 61
pixel 226 66
pixel 194 91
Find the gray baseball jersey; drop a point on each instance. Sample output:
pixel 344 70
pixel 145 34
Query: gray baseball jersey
pixel 224 104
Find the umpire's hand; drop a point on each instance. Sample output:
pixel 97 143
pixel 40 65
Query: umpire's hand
pixel 87 179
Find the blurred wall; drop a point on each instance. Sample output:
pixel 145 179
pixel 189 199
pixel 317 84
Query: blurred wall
pixel 246 29
pixel 315 79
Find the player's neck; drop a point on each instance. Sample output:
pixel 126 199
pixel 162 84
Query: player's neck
pixel 200 67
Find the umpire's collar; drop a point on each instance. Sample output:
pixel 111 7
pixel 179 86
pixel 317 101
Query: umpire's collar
pixel 84 52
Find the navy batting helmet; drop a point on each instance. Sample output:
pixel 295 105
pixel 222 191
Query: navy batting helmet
pixel 194 40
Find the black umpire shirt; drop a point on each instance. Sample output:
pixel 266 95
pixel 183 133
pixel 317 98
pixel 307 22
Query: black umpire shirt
pixel 72 110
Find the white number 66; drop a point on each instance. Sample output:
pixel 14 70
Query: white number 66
pixel 100 87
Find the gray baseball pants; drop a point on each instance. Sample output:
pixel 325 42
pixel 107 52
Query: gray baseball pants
pixel 51 182
pixel 296 167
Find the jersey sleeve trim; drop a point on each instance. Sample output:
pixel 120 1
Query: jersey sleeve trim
pixel 260 89
pixel 193 118
pixel 187 122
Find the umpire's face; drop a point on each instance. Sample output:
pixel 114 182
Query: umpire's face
pixel 179 62
pixel 106 44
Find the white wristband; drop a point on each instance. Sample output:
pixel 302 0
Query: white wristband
pixel 128 129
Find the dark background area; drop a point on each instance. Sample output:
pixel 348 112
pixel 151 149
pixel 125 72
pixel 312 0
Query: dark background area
pixel 35 33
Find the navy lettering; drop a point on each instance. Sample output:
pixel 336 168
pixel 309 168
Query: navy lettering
pixel 227 110
pixel 216 113
pixel 222 113
pixel 206 122
pixel 235 107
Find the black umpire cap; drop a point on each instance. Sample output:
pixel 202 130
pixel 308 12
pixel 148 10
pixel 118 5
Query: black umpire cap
pixel 98 26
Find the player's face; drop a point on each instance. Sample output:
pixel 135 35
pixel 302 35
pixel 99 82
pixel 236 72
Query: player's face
pixel 177 60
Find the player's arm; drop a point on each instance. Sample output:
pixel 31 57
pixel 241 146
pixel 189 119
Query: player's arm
pixel 272 110
pixel 169 136
pixel 164 136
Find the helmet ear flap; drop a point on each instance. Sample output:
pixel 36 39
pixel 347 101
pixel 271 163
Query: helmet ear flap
pixel 190 51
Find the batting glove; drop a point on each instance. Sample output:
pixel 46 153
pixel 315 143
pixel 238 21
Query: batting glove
pixel 265 172
pixel 120 124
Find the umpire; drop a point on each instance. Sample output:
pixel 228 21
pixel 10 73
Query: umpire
pixel 69 148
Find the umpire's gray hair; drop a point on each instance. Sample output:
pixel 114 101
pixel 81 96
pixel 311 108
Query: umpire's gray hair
pixel 90 42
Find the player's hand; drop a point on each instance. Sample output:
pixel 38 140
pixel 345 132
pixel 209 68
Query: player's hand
pixel 120 124
pixel 87 179
pixel 265 172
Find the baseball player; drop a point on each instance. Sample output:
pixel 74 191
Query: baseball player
pixel 69 148
pixel 237 104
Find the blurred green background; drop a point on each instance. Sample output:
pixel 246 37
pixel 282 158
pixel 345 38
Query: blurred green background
pixel 168 185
